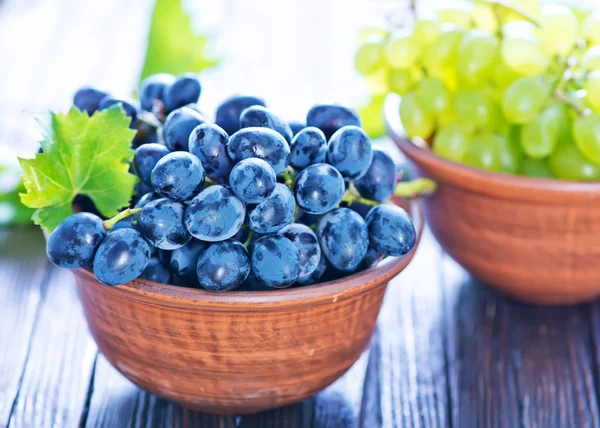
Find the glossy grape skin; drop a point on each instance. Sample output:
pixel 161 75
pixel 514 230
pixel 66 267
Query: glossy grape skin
pixel 145 159
pixel 153 89
pixel 183 261
pixel 260 117
pixel 223 266
pixel 252 180
pixel 262 143
pixel 586 133
pixel 379 182
pixel 307 244
pixel 275 261
pixel 567 163
pixel 88 99
pixel 178 176
pixel 524 99
pixel 215 214
pixel 209 143
pixel 316 275
pixel 228 113
pixel 130 109
pixel 331 117
pixel 161 223
pixel 185 90
pixel 122 257
pixel 391 230
pixel 274 213
pixel 156 271
pixel 350 152
pixel 537 168
pixel 319 188
pixel 344 238
pixel 296 127
pixel 178 126
pixel 75 241
pixel 308 147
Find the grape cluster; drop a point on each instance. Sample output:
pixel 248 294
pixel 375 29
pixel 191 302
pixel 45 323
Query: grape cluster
pixel 511 87
pixel 245 202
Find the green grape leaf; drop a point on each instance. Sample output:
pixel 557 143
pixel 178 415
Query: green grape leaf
pixel 173 46
pixel 83 155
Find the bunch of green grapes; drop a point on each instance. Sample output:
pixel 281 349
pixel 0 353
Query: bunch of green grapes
pixel 511 87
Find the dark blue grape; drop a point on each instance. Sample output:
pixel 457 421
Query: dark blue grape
pixel 252 180
pixel 122 257
pixel 215 214
pixel 209 143
pixel 306 218
pixel 75 241
pixel 184 260
pixel 319 188
pixel 296 127
pixel 391 230
pixel 161 223
pixel 179 125
pixel 344 238
pixel 307 244
pixel 228 113
pixel 252 283
pixel 156 271
pixel 130 109
pixel 82 203
pixel 275 261
pixel 259 116
pixel 370 259
pixel 145 134
pixel 88 99
pixel 178 176
pixel 379 182
pixel 145 159
pixel 262 143
pixel 308 147
pixel 316 275
pixel 153 89
pixel 185 90
pixel 147 198
pixel 350 151
pixel 242 235
pixel 274 213
pixel 223 266
pixel 331 117
pixel 165 256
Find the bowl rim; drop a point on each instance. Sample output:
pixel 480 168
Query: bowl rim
pixel 326 292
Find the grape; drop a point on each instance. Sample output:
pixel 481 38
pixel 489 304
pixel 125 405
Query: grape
pixel 129 108
pixel 378 82
pixel 474 107
pixel 540 136
pixel 75 241
pixel 401 81
pixel 524 99
pixel 274 213
pixel 446 74
pixel 432 96
pixel 209 143
pixel 145 133
pixel 349 151
pixel 416 122
pixel 559 30
pixel 178 176
pixel 567 163
pixel 155 271
pixel 296 127
pixel 485 17
pixel 145 159
pixel 535 168
pixel 524 55
pixel 121 257
pixel 391 231
pixel 452 142
pixel 445 50
pixel 147 198
pixel 153 89
pixel 592 88
pixel 307 244
pixel 370 259
pixel 502 75
pixel 319 188
pixel 262 143
pixel 484 152
pixel 425 32
pixel 316 275
pixel 275 261
pixel 223 266
pixel 402 51
pixel 183 260
pixel 127 222
pixel 252 180
pixel 185 90
pixel 511 154
pixel 476 56
pixel 178 126
pixel 344 238
pixel 519 28
pixel 370 57
pixel 590 29
pixel 590 61
pixel 379 182
pixel 88 99
pixel 372 117
pixel 459 15
pixel 308 147
pixel 215 214
pixel 586 132
pixel 161 223
pixel 331 117
pixel 259 116
pixel 228 113
pixel 165 256
pixel 306 218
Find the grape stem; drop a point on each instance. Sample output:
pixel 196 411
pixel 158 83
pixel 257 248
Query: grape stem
pixel 565 77
pixel 108 224
pixel 513 8
pixel 352 195
pixel 568 101
pixel 249 238
pixel 289 177
pixel 415 188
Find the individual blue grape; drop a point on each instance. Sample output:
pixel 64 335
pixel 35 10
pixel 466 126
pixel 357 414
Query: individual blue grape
pixel 259 116
pixel 83 203
pixel 274 213
pixel 161 223
pixel 145 159
pixel 262 143
pixel 308 147
pixel 75 241
pixel 331 117
pixel 165 256
pixel 178 176
pixel 275 261
pixel 88 99
pixel 370 259
pixel 316 275
pixel 145 133
pixel 215 214
pixel 153 89
pixel 379 182
pixel 391 231
pixel 209 143
pixel 350 152
pixel 252 180
pixel 156 271
pixel 185 90
pixel 296 127
pixel 319 188
pixel 184 260
pixel 130 109
pixel 147 198
pixel 140 190
pixel 223 266
pixel 121 257
pixel 228 113
pixel 178 126
pixel 307 244
pixel 344 238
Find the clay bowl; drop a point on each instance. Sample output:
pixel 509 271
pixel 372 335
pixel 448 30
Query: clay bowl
pixel 236 352
pixel 535 240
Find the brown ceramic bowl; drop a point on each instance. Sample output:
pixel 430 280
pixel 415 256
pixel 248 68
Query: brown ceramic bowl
pixel 236 352
pixel 536 240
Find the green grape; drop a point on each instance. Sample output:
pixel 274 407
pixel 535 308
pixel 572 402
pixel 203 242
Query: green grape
pixel 484 152
pixel 432 96
pixel 524 99
pixel 417 123
pixel 524 54
pixel 485 17
pixel 371 117
pixel 519 28
pixel 586 132
pixel 559 30
pixel 457 15
pixel 378 82
pixel 590 29
pixel 402 81
pixel 449 116
pixel 452 142
pixel 369 58
pixel 592 89
pixel 444 50
pixel 537 168
pixel 590 60
pixel 540 136
pixel 446 74
pixel 476 56
pixel 510 154
pixel 502 76
pixel 402 51
pixel 475 108
pixel 426 32
pixel 567 163
pixel 530 6
pixel 372 33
